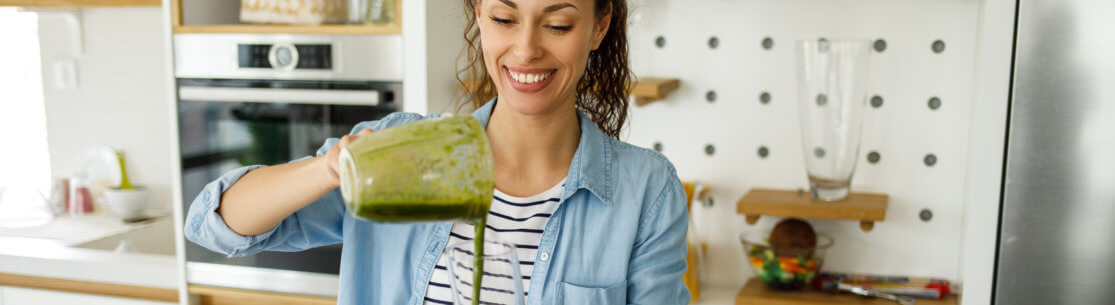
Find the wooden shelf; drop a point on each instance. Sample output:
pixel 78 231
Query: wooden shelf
pixel 79 3
pixel 651 89
pixel 233 26
pixel 864 207
pixel 756 293
pixel 325 29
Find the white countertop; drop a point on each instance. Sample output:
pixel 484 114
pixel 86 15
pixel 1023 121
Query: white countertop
pixel 76 229
pixel 58 250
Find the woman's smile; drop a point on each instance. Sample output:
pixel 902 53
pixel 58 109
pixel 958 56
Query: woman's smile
pixel 528 80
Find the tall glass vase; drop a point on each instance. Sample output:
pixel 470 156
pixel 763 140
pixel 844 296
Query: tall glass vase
pixel 832 79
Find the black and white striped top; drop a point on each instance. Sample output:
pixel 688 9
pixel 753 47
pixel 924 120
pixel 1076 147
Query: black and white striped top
pixel 513 220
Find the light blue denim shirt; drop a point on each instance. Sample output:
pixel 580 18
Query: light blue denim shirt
pixel 617 236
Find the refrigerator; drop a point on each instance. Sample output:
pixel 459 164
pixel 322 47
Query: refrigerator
pixel 1057 231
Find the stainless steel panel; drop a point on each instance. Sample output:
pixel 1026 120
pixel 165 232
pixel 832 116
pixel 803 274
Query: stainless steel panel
pixel 1057 241
pixel 355 57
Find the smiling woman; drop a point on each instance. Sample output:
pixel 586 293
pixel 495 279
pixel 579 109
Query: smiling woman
pixel 602 91
pixel 590 219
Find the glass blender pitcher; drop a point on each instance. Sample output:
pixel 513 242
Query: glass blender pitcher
pixel 431 170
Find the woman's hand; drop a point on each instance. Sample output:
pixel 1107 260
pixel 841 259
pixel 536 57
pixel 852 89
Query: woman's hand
pixel 334 153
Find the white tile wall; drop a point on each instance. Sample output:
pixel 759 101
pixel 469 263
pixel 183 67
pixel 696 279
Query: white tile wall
pixel 120 99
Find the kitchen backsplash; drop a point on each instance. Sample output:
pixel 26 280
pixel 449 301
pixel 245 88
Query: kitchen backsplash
pixel 733 122
pixel 120 98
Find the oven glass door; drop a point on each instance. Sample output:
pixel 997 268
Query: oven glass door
pixel 218 132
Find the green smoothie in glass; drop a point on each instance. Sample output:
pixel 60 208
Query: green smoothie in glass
pixel 431 170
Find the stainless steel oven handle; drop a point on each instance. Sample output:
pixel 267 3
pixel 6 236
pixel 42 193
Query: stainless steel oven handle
pixel 279 95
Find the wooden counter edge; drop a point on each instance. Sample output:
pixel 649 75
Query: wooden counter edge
pixel 242 296
pixel 97 288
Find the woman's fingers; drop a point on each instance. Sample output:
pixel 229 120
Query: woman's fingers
pixel 332 156
pixel 344 141
pixel 364 132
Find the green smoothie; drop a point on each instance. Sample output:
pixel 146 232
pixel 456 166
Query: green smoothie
pixel 426 171
pixel 478 260
pixel 411 211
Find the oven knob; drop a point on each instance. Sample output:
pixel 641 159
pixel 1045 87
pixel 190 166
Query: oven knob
pixel 283 56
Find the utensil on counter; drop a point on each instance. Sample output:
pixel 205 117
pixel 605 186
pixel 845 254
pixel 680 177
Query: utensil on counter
pixel 125 183
pixel 917 287
pixel 839 286
pixel 127 201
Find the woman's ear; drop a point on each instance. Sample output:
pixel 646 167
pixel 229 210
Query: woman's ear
pixel 601 29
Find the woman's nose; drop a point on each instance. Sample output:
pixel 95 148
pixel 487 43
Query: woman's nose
pixel 527 47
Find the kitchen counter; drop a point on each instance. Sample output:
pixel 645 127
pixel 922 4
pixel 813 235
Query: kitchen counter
pixel 82 249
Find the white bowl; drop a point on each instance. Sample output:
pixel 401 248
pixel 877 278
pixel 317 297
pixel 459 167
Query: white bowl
pixel 126 204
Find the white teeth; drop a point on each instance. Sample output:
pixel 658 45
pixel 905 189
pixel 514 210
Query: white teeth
pixel 529 78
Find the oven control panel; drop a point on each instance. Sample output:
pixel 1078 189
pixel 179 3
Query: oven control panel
pixel 288 57
pixel 285 56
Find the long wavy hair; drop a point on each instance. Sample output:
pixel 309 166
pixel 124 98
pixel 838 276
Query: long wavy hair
pixel 601 93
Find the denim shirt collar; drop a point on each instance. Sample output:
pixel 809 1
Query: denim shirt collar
pixel 590 168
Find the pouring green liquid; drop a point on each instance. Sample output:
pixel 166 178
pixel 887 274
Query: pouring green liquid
pixel 478 260
pixel 431 170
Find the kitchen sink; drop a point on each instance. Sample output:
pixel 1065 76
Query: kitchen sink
pixel 154 238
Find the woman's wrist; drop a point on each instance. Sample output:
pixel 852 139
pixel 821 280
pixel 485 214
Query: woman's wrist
pixel 329 178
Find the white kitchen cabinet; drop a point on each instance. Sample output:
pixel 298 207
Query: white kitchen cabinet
pixel 24 296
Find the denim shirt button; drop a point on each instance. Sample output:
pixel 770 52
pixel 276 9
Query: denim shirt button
pixel 544 256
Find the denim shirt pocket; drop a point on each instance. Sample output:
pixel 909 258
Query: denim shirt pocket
pixel 575 294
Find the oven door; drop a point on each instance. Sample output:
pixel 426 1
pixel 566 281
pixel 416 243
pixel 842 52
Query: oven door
pixel 227 124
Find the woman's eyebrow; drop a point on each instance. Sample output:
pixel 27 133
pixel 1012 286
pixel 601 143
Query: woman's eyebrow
pixel 556 7
pixel 548 9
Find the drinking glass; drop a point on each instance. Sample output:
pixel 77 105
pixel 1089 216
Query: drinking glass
pixel 501 281
pixel 832 79
pixel 431 170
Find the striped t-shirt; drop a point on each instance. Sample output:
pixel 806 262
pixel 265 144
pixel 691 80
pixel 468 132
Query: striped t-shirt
pixel 514 220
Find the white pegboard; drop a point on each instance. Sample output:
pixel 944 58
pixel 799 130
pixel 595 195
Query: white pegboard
pixel 903 131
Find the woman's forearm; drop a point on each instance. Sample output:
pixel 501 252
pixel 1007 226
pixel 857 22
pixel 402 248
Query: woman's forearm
pixel 263 197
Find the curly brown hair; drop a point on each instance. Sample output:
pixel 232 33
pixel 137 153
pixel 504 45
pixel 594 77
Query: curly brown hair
pixel 602 91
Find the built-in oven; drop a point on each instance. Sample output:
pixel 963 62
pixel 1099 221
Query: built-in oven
pixel 269 99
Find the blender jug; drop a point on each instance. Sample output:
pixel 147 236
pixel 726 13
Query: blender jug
pixel 431 170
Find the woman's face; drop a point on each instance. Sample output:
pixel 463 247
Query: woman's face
pixel 536 50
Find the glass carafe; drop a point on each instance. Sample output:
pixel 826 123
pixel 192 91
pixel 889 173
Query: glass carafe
pixel 832 81
pixel 430 170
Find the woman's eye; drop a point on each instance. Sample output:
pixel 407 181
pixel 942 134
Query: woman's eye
pixel 561 28
pixel 502 21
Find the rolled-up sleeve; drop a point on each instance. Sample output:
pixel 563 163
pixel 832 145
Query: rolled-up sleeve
pixel 658 260
pixel 206 228
pixel 317 224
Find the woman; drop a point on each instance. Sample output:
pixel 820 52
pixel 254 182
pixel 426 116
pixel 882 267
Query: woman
pixel 597 221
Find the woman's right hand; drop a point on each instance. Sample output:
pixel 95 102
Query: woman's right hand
pixel 334 153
